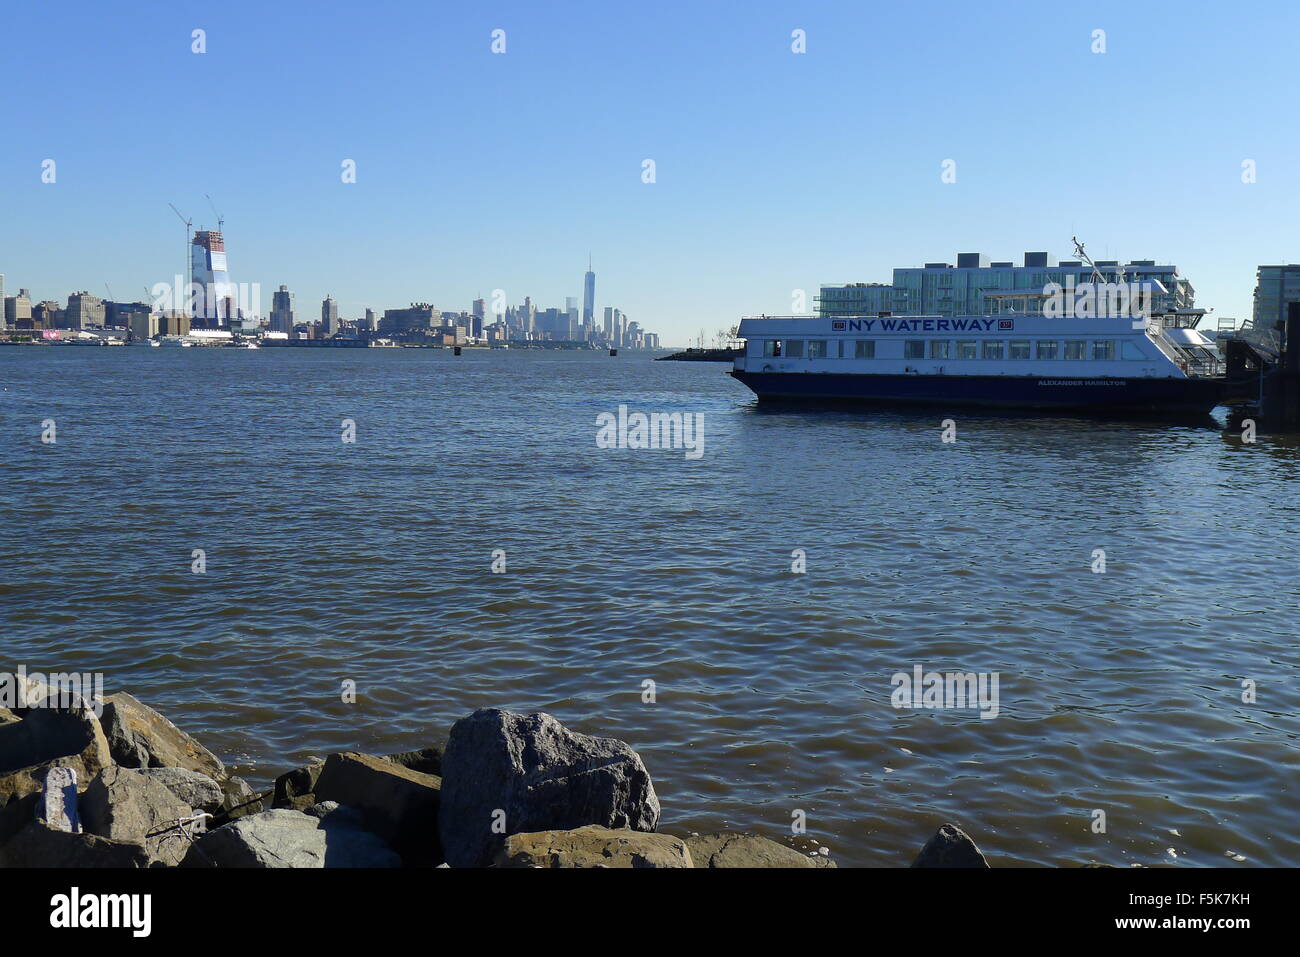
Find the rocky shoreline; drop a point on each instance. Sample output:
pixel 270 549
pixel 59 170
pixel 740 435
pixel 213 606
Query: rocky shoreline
pixel 118 785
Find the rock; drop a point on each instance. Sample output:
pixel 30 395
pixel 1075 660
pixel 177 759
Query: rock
pixel 238 800
pixel 347 842
pixel 36 845
pixel 400 805
pixel 57 805
pixel 128 806
pixel 197 790
pixel 735 849
pixel 298 783
pixel 140 737
pixel 593 846
pixel 16 815
pixel 950 847
pixel 8 717
pixel 425 760
pixel 46 738
pixel 542 776
pixel 330 836
pixel 271 839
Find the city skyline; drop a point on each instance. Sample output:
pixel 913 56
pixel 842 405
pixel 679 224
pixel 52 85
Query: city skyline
pixel 491 194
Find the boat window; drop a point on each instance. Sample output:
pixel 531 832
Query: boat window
pixel 864 349
pixel 1019 349
pixel 794 349
pixel 1103 349
pixel 967 350
pixel 993 348
pixel 939 348
pixel 1075 349
pixel 1047 348
pixel 914 349
pixel 772 347
pixel 816 348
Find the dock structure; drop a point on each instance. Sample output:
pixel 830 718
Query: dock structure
pixel 1263 372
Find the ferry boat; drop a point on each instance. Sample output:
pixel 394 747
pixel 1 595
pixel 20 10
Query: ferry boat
pixel 1006 360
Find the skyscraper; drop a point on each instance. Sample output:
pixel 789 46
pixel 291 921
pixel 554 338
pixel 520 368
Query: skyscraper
pixel 329 316
pixel 208 268
pixel 3 323
pixel 282 311
pixel 589 298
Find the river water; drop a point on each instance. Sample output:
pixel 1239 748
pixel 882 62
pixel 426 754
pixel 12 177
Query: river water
pixel 773 693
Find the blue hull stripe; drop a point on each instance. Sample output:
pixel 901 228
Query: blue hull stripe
pixel 1021 392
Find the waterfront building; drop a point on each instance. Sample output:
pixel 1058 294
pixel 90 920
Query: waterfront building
pixel 84 311
pixel 1275 286
pixel 4 305
pixel 143 324
pixel 17 307
pixel 48 314
pixel 174 324
pixel 329 317
pixel 419 317
pixel 942 289
pixel 609 323
pixel 209 272
pixel 282 310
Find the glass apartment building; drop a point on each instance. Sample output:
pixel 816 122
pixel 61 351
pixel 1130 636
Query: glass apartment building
pixel 1275 286
pixel 942 289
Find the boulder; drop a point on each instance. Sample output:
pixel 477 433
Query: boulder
pixel 400 805
pixel 16 815
pixel 271 839
pixel 593 846
pixel 950 847
pixel 425 760
pixel 140 737
pixel 197 790
pixel 128 806
pixel 347 842
pixel 37 845
pixel 238 800
pixel 46 738
pixel 292 786
pixel 8 717
pixel 735 849
pixel 507 773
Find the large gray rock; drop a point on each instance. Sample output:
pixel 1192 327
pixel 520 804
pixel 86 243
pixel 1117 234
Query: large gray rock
pixel 593 846
pixel 332 836
pixel 37 845
pixel 140 737
pixel 46 738
pixel 507 773
pixel 400 805
pixel 239 800
pixel 347 842
pixel 950 847
pixel 197 790
pixel 272 839
pixel 7 716
pixel 734 849
pixel 130 807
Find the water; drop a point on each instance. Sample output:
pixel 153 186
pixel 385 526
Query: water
pixel 372 562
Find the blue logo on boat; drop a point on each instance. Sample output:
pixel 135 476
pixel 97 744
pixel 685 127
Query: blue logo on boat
pixel 838 325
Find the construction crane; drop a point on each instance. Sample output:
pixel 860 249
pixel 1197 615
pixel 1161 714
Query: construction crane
pixel 189 279
pixel 221 222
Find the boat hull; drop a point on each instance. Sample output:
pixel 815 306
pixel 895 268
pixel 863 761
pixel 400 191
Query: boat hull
pixel 1139 395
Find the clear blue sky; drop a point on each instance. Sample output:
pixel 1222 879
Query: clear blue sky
pixel 775 171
